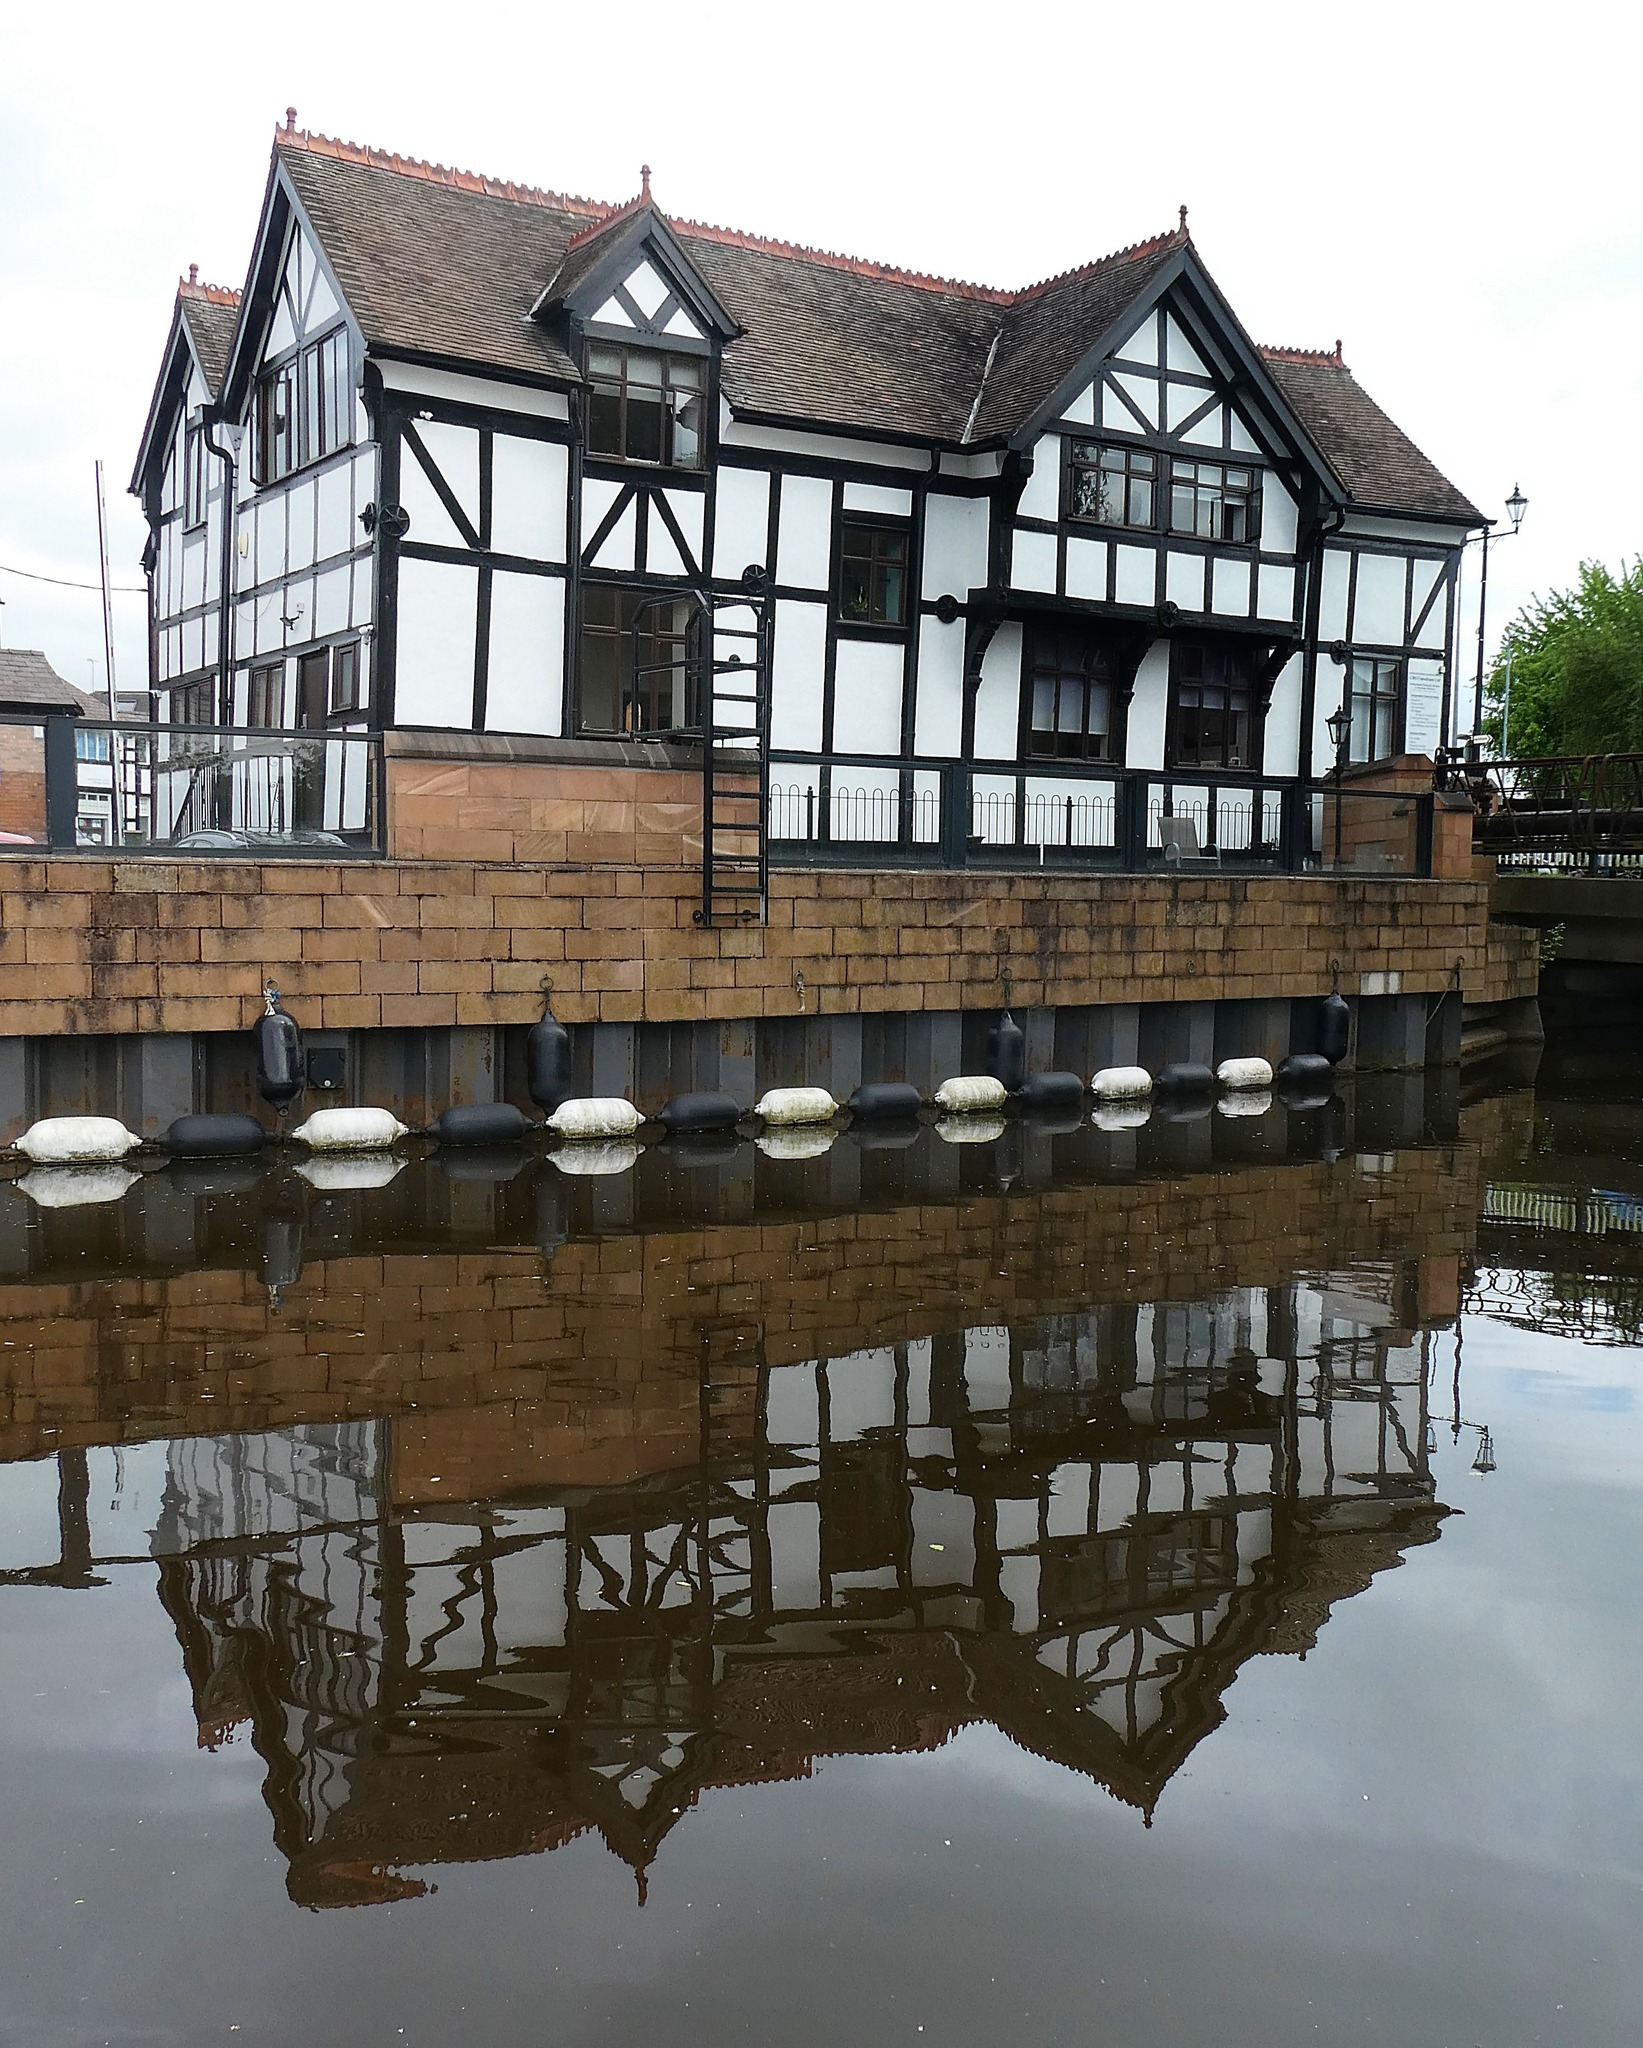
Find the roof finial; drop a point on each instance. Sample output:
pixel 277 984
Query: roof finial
pixel 1183 220
pixel 644 182
pixel 1338 356
pixel 193 273
pixel 290 120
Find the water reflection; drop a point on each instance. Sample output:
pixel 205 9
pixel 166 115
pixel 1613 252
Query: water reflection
pixel 495 1507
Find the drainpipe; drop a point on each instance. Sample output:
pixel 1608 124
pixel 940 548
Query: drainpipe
pixel 210 422
pixel 1328 526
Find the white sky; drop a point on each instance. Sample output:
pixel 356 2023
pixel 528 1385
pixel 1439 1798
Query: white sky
pixel 1451 189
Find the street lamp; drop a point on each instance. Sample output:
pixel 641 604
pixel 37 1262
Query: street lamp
pixel 1516 505
pixel 1339 723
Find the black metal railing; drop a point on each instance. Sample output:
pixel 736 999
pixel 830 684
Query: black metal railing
pixel 1566 813
pixel 80 784
pixel 862 808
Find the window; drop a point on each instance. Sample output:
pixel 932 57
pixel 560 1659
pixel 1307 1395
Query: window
pixel 1113 486
pixel 265 703
pixel 1213 501
pixel 1376 698
pixel 872 574
pixel 1212 706
pixel 645 406
pixel 191 702
pixel 304 407
pixel 194 454
pixel 90 746
pixel 637 671
pixel 345 677
pixel 1071 696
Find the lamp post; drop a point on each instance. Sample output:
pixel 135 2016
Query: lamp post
pixel 1516 505
pixel 1339 724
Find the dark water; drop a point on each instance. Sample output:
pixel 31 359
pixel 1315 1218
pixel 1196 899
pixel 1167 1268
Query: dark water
pixel 1153 1588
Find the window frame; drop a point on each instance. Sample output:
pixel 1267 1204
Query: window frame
pixel 1377 699
pixel 1038 666
pixel 876 527
pixel 261 698
pixel 1225 652
pixel 1249 499
pixel 316 378
pixel 1078 464
pixel 195 496
pixel 624 632
pixel 701 366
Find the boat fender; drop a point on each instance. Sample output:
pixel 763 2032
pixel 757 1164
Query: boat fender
pixel 1246 1102
pixel 480 1123
pixel 1247 1073
pixel 801 1141
pixel 1307 1073
pixel 76 1140
pixel 703 1110
pixel 796 1106
pixel 1334 1029
pixel 1007 1053
pixel 596 1156
pixel 214 1137
pixel 1184 1077
pixel 886 1099
pixel 280 1076
pixel 970 1129
pixel 349 1130
pixel 547 1063
pixel 77 1187
pixel 349 1173
pixel 1052 1091
pixel 1122 1084
pixel 1121 1116
pixel 970 1094
pixel 595 1116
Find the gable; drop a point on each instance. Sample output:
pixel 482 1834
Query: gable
pixel 647 303
pixel 629 278
pixel 305 305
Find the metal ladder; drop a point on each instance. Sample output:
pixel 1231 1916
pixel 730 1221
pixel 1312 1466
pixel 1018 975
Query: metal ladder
pixel 734 731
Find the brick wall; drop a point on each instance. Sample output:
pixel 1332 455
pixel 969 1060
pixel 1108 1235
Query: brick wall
pixel 178 946
pixel 590 1371
pixel 22 781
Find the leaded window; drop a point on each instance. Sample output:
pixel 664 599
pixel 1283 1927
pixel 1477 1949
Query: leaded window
pixel 305 407
pixel 1113 486
pixel 644 406
pixel 638 662
pixel 1212 705
pixel 1214 501
pixel 1376 698
pixel 1070 680
pixel 872 573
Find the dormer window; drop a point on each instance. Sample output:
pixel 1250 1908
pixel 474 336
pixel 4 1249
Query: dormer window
pixel 644 406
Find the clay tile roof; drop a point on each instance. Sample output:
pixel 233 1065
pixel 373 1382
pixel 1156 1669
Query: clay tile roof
pixel 445 263
pixel 28 682
pixel 1373 457
pixel 211 312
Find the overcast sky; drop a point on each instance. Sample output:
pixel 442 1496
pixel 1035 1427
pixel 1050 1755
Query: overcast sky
pixel 1451 190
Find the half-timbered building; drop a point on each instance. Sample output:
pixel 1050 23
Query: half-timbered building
pixel 465 458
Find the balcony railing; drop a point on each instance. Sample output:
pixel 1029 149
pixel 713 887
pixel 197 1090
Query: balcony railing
pixel 860 808
pixel 82 783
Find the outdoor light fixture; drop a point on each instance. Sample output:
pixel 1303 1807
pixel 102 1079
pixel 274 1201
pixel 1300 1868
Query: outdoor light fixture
pixel 1339 723
pixel 1516 505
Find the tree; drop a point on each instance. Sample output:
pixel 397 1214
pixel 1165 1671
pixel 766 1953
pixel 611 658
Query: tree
pixel 1577 668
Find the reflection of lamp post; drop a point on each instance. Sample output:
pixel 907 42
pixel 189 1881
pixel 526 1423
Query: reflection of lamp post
pixel 1340 731
pixel 1516 505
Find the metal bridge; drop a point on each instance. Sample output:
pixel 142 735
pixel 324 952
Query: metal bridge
pixel 1567 814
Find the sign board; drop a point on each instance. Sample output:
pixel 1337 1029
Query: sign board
pixel 1423 707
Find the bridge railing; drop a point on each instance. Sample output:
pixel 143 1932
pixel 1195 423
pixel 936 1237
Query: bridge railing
pixel 1574 813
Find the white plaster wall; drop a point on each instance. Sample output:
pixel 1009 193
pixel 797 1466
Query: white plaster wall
pixel 867 686
pixel 1277 517
pixel 617 550
pixel 474 390
pixel 886 499
pixel 1184 581
pixel 455 453
pixel 689 509
pixel 1032 560
pixel 1086 567
pixel 955 545
pixel 1134 575
pixel 430 522
pixel 741 520
pixel 528 498
pixel 998 701
pixel 1041 499
pixel 1428 577
pixel 1179 353
pixel 1229 591
pixel 1149 709
pixel 335 532
pixel 331 600
pixel 525 678
pixel 1283 721
pixel 1275 591
pixel 299 523
pixel 435 674
pixel 804 538
pixel 1334 591
pixel 798 673
pixel 938 711
pixel 1377 612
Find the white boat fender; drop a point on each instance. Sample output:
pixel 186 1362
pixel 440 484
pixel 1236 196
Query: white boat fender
pixel 76 1140
pixel 1122 1084
pixel 1121 1116
pixel 341 1173
pixel 801 1141
pixel 350 1130
pixel 1246 1102
pixel 796 1106
pixel 595 1116
pixel 1245 1073
pixel 596 1155
pixel 970 1129
pixel 971 1095
pixel 77 1187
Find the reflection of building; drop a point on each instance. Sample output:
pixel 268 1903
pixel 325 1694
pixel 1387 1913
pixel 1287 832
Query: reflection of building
pixel 1075 1528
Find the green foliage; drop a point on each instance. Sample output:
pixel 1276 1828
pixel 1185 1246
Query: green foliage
pixel 1577 668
